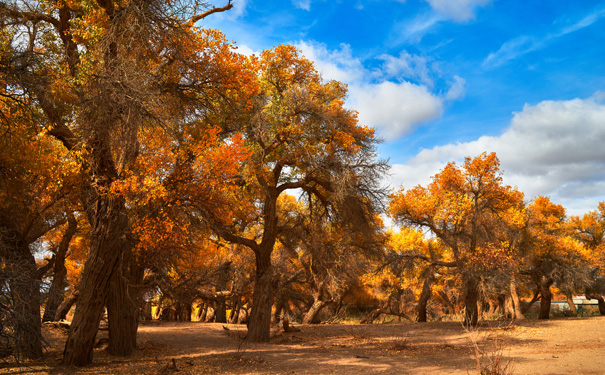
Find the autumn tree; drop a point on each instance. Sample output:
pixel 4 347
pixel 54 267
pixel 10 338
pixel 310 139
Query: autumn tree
pixel 551 256
pixel 99 71
pixel 35 181
pixel 590 231
pixel 300 137
pixel 474 214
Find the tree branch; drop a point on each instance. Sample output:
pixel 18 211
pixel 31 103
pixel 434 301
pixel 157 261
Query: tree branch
pixel 198 17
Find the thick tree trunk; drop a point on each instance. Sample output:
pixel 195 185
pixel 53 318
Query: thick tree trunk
pixel 25 292
pixel 546 299
pixel 124 304
pixel 107 240
pixel 424 299
pixel 56 293
pixel 471 299
pixel 259 324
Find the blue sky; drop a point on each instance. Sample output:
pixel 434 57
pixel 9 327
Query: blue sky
pixel 445 79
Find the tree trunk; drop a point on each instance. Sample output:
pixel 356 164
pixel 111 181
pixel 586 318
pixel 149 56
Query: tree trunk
pixel 572 306
pixel 259 324
pixel 518 314
pixel 471 299
pixel 25 292
pixel 220 315
pixel 235 311
pixel 546 299
pixel 65 306
pixel 424 299
pixel 56 293
pixel 109 225
pixel 530 303
pixel 600 300
pixel 123 306
pixel 311 317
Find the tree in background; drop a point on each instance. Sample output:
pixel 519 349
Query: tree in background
pixel 550 255
pixel 471 212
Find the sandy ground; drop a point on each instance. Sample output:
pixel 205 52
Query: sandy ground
pixel 558 346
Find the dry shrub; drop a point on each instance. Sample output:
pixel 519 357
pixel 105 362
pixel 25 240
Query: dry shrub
pixel 488 347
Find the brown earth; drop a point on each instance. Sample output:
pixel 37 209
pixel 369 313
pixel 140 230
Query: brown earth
pixel 558 346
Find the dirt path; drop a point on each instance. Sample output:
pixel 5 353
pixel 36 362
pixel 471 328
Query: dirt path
pixel 559 346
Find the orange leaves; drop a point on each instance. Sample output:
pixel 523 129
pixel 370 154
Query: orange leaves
pixel 468 208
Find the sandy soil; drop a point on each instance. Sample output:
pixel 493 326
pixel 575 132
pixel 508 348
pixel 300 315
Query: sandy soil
pixel 558 346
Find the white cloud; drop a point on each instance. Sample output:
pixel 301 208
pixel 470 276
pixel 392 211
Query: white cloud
pixel 302 4
pixel 339 64
pixel 457 10
pixel 414 30
pixel 554 148
pixel 457 89
pixel 521 45
pixel 239 8
pixel 407 66
pixel 393 108
pixel 245 50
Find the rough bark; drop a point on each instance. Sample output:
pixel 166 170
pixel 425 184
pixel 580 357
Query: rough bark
pixel 471 299
pixel 123 306
pixel 424 299
pixel 109 225
pixel 56 292
pixel 259 324
pixel 25 292
pixel 546 299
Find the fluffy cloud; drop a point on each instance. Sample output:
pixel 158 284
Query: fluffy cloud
pixel 394 108
pixel 457 10
pixel 554 148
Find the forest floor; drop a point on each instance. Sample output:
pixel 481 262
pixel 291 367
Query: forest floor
pixel 556 346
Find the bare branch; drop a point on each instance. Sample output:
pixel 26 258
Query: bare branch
pixel 198 17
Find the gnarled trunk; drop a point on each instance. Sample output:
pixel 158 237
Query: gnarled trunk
pixel 24 286
pixel 259 324
pixel 424 299
pixel 546 299
pixel 109 225
pixel 123 306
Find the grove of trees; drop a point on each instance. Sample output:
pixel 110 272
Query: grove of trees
pixel 149 170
